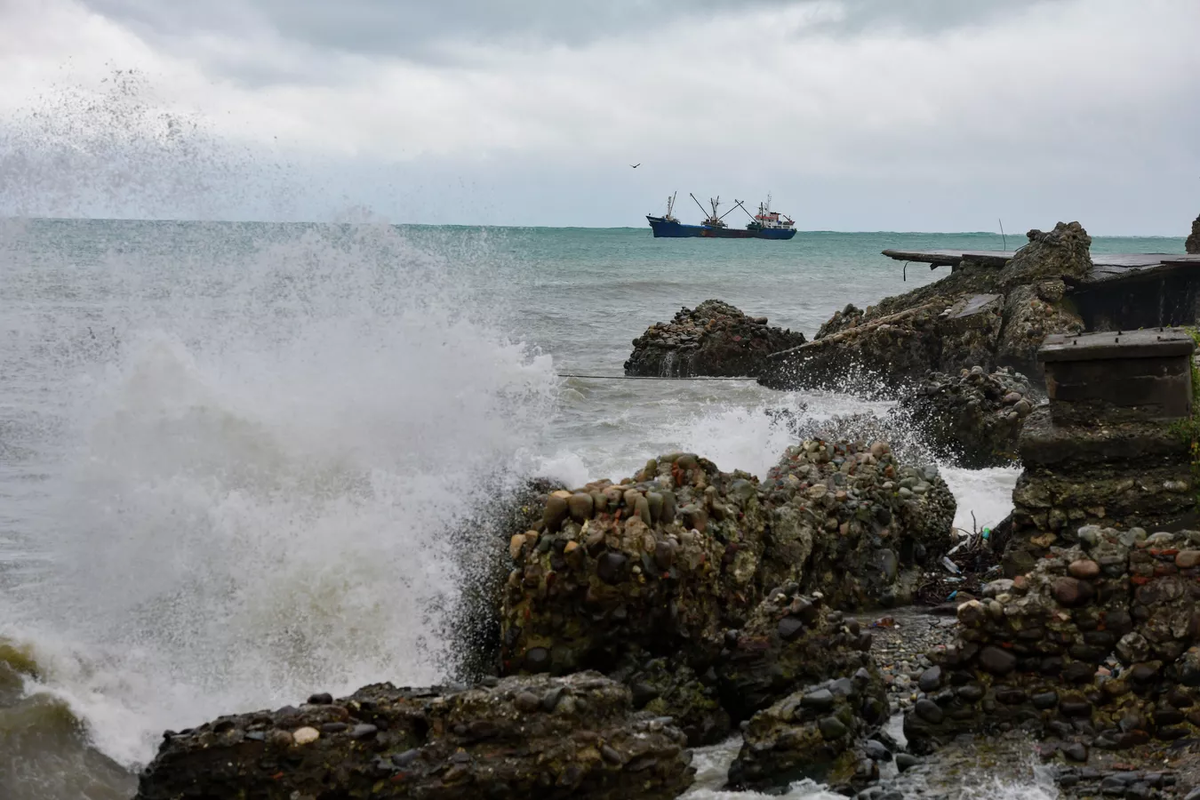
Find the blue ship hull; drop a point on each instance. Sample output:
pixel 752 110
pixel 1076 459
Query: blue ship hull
pixel 677 230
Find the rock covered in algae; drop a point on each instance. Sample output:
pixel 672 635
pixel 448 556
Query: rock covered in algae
pixel 532 737
pixel 713 595
pixel 713 339
pixel 814 733
pixel 978 315
pixel 672 558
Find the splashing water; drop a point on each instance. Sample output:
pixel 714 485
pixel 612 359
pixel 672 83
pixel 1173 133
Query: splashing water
pixel 260 467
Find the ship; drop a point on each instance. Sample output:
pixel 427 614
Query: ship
pixel 766 224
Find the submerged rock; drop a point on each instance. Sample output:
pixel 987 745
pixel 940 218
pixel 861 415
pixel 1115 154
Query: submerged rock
pixel 713 339
pixel 536 737
pixel 972 418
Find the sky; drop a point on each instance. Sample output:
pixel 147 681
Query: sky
pixel 933 115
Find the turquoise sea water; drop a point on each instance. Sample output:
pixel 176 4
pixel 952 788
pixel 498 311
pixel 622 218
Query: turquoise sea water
pixel 228 452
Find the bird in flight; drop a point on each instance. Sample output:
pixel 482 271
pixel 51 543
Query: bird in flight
pixel 635 166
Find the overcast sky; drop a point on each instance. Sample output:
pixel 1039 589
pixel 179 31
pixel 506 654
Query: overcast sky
pixel 854 114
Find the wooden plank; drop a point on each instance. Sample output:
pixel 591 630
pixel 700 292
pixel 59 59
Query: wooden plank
pixel 950 258
pixel 1105 266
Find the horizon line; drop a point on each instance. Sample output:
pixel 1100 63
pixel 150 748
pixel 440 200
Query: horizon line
pixel 173 220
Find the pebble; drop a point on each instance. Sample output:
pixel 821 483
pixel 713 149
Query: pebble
pixel 930 679
pixel 280 738
pixel 1084 569
pixel 876 750
pixel 1187 559
pixel 322 699
pixel 527 702
pixel 822 700
pixel 831 728
pixel 363 731
pixel 610 567
pixel 929 711
pixel 306 735
pixel 1077 752
pixel 580 506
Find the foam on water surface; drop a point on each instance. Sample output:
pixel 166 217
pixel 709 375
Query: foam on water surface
pixel 255 482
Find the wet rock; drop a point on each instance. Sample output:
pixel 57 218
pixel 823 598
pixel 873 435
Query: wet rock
pixel 976 316
pixel 610 568
pixel 713 339
pixel 669 687
pixel 790 740
pixel 763 666
pixel 1084 569
pixel 415 749
pixel 929 711
pixel 1044 656
pixel 931 679
pixel 626 579
pixel 968 417
pixel 997 661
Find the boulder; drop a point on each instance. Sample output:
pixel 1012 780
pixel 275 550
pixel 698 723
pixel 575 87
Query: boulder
pixel 979 315
pixel 845 319
pixel 814 734
pixel 681 552
pixel 971 419
pixel 533 737
pixel 886 350
pixel 665 563
pixel 1064 252
pixel 1192 245
pixel 852 522
pixel 713 339
pixel 479 546
pixel 792 639
pixel 708 592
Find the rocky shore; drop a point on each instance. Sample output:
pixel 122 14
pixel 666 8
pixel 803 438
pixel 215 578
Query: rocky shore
pixel 828 613
pixel 713 339
pixel 636 618
pixel 534 737
pixel 977 316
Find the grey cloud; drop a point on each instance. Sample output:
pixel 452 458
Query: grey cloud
pixel 416 29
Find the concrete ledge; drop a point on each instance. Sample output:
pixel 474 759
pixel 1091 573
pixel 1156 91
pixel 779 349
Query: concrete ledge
pixel 1162 342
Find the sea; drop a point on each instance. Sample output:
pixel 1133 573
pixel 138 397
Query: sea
pixel 231 454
